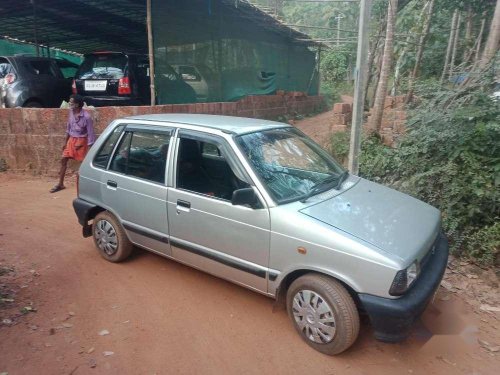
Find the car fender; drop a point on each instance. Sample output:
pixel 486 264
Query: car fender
pixel 278 283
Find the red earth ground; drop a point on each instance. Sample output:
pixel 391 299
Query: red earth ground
pixel 58 295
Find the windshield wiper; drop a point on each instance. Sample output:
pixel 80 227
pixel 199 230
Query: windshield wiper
pixel 342 178
pixel 319 186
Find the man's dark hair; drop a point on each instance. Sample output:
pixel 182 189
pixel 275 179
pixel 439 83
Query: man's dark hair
pixel 78 99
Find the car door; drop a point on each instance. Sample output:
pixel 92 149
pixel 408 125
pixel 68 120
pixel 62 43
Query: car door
pixel 61 85
pixel 133 186
pixel 45 81
pixel 206 230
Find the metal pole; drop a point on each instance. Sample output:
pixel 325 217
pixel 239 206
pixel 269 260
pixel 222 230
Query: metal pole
pixel 361 75
pixel 151 53
pixel 35 28
pixel 339 17
pixel 319 70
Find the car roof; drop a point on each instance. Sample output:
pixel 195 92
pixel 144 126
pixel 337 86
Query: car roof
pixel 27 57
pixel 100 53
pixel 227 124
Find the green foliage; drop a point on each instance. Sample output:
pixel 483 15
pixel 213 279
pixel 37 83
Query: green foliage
pixel 334 66
pixel 484 245
pixel 339 146
pixel 450 158
pixel 332 91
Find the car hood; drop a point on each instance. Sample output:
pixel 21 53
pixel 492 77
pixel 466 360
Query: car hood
pixel 394 222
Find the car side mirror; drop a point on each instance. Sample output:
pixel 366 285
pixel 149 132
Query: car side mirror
pixel 246 196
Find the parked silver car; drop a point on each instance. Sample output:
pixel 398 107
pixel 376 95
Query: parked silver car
pixel 260 204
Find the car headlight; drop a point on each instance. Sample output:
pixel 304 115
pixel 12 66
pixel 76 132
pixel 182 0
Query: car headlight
pixel 404 279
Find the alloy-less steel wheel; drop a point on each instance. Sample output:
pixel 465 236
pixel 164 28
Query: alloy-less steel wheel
pixel 323 313
pixel 110 238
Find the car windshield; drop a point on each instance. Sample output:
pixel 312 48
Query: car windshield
pixel 103 66
pixel 289 164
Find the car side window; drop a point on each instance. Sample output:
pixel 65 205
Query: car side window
pixel 42 68
pixel 143 155
pixel 102 157
pixel 198 171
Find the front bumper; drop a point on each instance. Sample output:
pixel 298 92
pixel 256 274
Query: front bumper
pixel 85 211
pixel 392 319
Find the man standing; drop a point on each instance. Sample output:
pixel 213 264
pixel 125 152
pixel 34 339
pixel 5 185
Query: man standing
pixel 79 137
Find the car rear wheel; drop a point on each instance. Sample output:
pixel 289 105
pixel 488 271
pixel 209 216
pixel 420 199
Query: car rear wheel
pixel 323 313
pixel 110 238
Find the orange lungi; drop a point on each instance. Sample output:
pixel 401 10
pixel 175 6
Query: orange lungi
pixel 76 148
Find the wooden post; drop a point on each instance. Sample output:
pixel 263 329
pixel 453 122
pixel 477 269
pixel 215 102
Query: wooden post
pixel 361 73
pixel 151 54
pixel 35 28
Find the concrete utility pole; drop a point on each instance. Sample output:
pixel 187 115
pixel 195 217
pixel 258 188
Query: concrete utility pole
pixel 361 75
pixel 151 53
pixel 338 18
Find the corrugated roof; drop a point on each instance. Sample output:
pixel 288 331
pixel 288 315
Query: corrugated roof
pixel 90 25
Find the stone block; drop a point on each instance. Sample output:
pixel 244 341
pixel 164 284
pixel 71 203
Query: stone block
pixel 198 107
pixel 342 108
pixel 339 119
pixel 246 113
pixel 229 109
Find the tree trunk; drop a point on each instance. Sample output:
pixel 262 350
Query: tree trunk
pixel 377 74
pixel 480 38
pixel 378 107
pixel 468 34
pixel 455 44
pixel 450 45
pixel 420 51
pixel 371 59
pixel 491 47
pixel 401 59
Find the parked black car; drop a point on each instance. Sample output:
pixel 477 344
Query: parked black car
pixel 29 81
pixel 118 78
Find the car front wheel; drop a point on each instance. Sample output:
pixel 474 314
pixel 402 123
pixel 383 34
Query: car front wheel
pixel 110 238
pixel 323 313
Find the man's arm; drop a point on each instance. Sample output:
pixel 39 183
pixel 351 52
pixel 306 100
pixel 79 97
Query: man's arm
pixel 90 131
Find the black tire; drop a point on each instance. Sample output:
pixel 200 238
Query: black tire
pixel 110 238
pixel 341 308
pixel 33 104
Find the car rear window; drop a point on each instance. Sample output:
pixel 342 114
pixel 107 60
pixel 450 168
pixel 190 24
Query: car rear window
pixel 103 67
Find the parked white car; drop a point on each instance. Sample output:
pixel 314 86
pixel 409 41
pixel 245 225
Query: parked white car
pixel 201 79
pixel 260 204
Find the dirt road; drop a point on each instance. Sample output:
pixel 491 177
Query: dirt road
pixel 166 318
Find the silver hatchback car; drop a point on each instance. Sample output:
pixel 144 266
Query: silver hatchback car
pixel 260 204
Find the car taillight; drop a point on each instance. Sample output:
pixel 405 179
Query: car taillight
pixel 124 86
pixel 73 87
pixel 10 78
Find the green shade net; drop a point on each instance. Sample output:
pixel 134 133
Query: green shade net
pixel 11 48
pixel 229 50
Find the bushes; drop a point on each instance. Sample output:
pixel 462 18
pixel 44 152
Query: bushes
pixel 450 158
pixel 484 245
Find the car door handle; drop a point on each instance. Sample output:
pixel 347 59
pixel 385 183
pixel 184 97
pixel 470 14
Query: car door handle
pixel 112 184
pixel 183 206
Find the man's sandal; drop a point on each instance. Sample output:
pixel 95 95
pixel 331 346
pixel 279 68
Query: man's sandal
pixel 57 188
